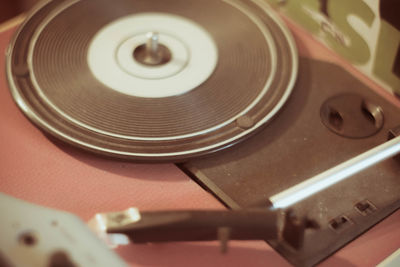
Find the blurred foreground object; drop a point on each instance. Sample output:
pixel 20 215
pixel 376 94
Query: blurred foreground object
pixel 37 236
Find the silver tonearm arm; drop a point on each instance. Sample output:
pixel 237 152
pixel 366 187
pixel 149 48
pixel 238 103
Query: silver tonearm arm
pixel 336 174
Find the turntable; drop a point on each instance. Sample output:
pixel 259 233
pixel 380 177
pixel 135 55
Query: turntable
pixel 216 87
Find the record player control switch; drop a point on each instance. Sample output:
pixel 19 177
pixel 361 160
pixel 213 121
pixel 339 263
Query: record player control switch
pixel 351 116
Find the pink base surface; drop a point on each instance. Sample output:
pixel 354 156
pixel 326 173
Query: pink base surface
pixel 35 169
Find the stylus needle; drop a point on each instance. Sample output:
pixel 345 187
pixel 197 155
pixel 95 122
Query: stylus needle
pixel 172 226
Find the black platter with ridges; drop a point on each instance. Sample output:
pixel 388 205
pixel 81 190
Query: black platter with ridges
pixel 52 82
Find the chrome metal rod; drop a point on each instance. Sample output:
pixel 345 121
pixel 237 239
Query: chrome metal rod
pixel 332 176
pixel 152 43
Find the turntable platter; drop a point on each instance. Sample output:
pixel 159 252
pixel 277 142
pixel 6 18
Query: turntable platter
pixel 152 81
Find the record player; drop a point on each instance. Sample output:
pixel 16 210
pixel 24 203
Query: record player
pixel 117 92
